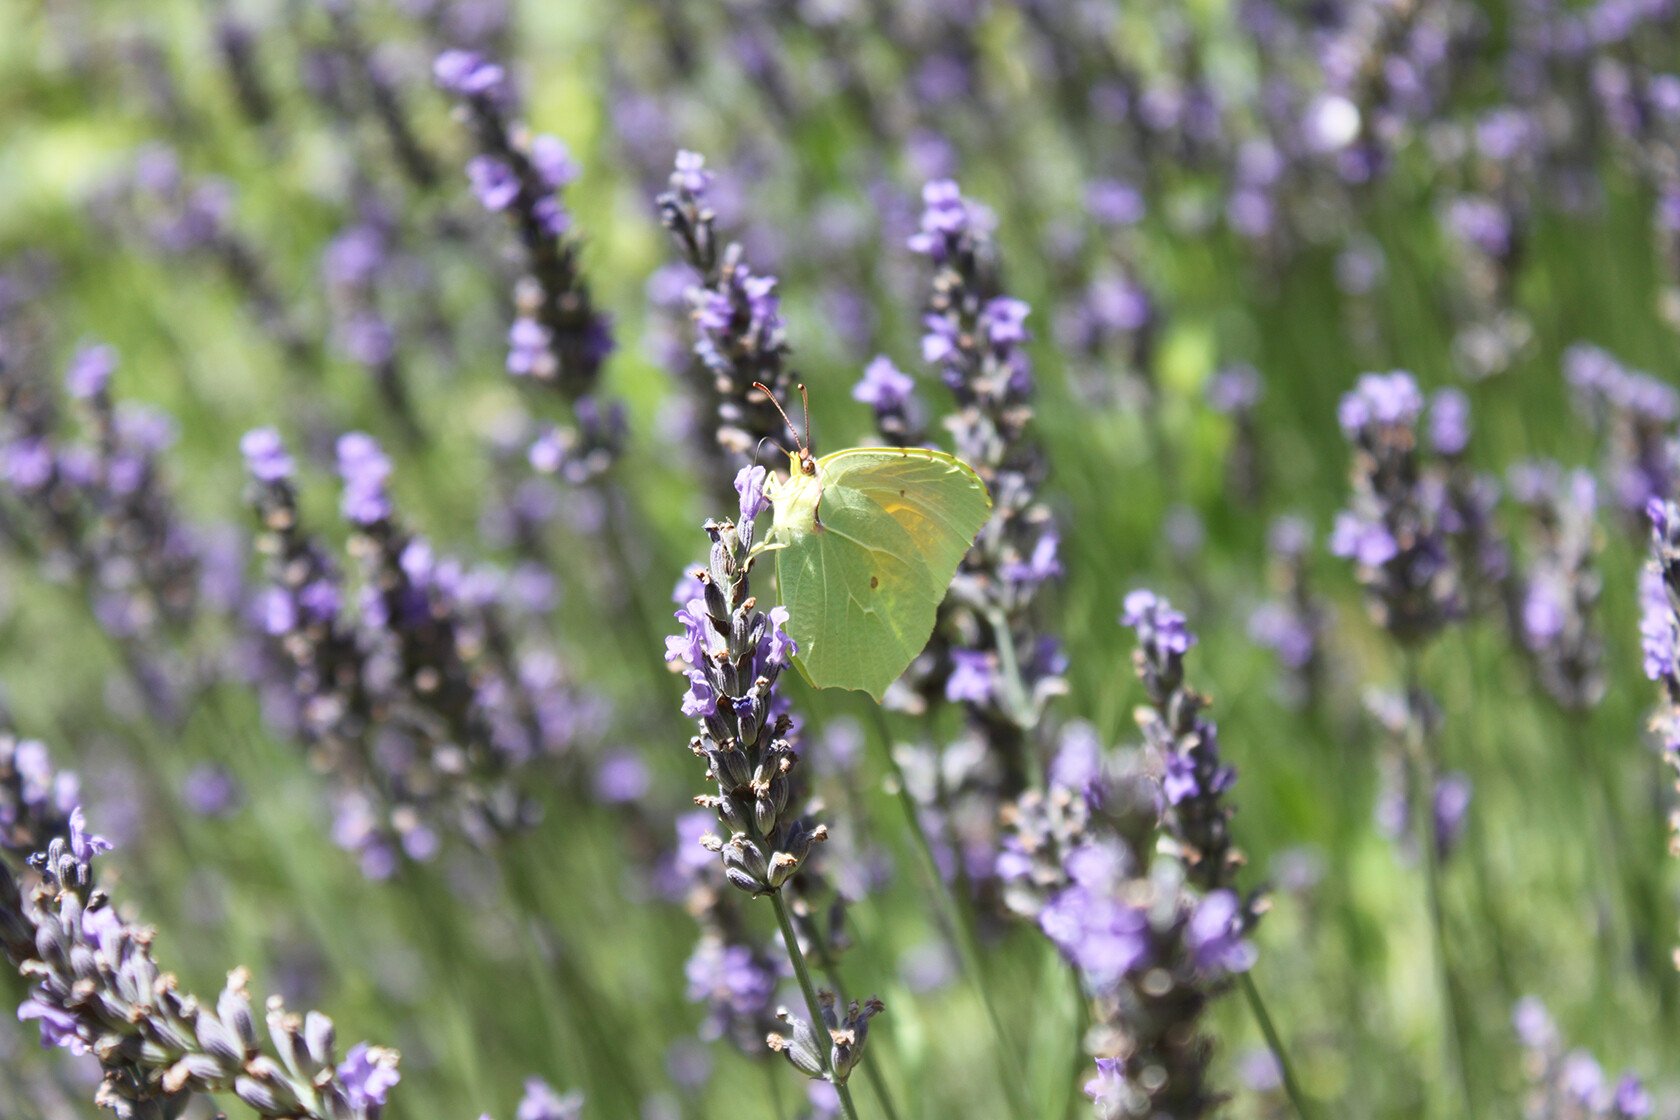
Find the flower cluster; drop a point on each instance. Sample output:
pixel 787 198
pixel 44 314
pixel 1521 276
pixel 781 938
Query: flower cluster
pixel 741 338
pixel 732 653
pixel 96 988
pixel 1184 745
pixel 1556 597
pixel 356 265
pixel 418 701
pixel 181 215
pixel 1571 1085
pixel 98 511
pixel 1396 530
pixel 998 659
pixel 559 338
pixel 1414 798
pixel 1154 939
pixel 1635 414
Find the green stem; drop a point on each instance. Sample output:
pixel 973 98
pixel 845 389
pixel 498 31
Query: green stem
pixel 812 1004
pixel 1424 766
pixel 955 923
pixel 1274 1043
pixel 1014 689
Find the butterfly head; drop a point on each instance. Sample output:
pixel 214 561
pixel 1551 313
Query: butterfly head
pixel 803 461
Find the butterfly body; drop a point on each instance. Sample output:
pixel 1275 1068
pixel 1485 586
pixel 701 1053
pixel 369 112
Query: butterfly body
pixel 866 542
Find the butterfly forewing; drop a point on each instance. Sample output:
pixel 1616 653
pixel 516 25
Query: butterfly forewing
pixel 936 498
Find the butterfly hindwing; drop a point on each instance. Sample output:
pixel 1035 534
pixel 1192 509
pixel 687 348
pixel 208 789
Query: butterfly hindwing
pixel 868 609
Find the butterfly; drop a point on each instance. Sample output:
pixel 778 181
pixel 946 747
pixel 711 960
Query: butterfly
pixel 866 543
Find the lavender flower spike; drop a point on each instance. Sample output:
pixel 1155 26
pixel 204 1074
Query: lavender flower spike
pixel 96 988
pixel 741 339
pixel 560 337
pixel 733 654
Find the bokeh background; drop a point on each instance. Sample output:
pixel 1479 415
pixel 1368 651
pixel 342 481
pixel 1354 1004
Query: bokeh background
pixel 1220 215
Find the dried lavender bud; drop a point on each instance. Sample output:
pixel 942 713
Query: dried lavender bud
pixel 847 1037
pixel 96 988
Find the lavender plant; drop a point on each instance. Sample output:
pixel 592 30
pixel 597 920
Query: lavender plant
pixel 1154 939
pixel 419 704
pixel 733 654
pixel 95 987
pixel 741 337
pixel 559 337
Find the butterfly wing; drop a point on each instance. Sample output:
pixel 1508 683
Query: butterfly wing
pixel 863 590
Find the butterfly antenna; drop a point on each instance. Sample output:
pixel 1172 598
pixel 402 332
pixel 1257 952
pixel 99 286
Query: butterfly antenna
pixel 806 397
pixel 799 439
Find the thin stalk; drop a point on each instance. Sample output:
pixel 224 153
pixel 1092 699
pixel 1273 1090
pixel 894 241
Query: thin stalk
pixel 1274 1043
pixel 772 1076
pixel 791 937
pixel 1638 908
pixel 955 921
pixel 1014 690
pixel 1420 755
pixel 562 989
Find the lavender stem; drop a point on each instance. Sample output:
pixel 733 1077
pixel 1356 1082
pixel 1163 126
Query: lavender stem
pixel 1014 692
pixel 812 1004
pixel 1274 1043
pixel 954 919
pixel 1421 758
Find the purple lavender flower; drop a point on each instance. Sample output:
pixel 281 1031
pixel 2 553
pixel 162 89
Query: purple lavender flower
pixel 90 372
pixel 1396 529
pixel 1636 414
pixel 1098 932
pixel 265 455
pixel 1215 935
pixel 520 175
pixel 367 1077
pixel 1449 422
pixel 157 1045
pixel 365 471
pixel 1114 203
pixel 1108 1090
pixel 741 337
pixel 1451 807
pixel 541 1102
